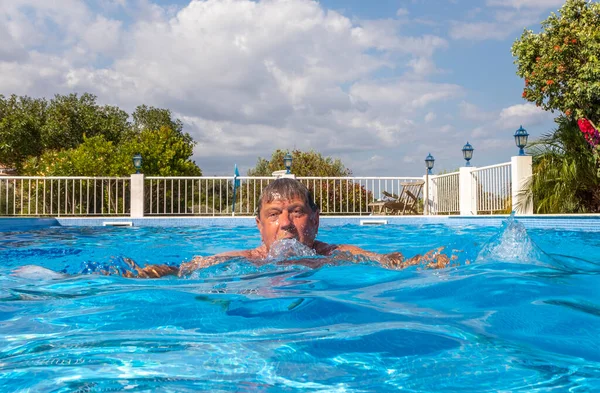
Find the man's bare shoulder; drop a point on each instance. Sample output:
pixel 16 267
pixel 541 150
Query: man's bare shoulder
pixel 200 262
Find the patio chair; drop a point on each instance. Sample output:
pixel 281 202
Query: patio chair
pixel 406 203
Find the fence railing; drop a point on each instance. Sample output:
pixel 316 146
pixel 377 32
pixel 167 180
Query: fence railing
pixel 214 196
pixel 64 196
pixel 445 194
pixel 206 195
pixel 487 190
pixel 494 188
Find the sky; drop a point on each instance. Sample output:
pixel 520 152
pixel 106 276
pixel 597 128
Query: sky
pixel 378 84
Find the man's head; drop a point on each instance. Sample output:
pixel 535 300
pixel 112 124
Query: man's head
pixel 286 210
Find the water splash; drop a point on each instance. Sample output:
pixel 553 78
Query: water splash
pixel 285 249
pixel 513 244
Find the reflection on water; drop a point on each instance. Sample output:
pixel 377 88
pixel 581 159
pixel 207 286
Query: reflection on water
pixel 519 318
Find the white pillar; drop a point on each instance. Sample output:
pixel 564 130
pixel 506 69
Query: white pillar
pixel 426 204
pixel 283 174
pixel 467 191
pixel 521 169
pixel 137 195
pixel 432 191
pixel 429 194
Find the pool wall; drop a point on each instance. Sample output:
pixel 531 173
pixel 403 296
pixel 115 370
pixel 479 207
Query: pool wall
pixel 24 223
pixel 587 223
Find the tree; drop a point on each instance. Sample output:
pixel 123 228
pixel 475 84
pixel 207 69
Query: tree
pixel 21 119
pixel 342 196
pixel 151 118
pixel 164 152
pixel 561 65
pixel 304 164
pixel 564 178
pixel 69 118
pixel 73 136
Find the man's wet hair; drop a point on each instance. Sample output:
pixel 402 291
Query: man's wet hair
pixel 286 188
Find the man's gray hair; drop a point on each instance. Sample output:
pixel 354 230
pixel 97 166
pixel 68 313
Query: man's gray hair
pixel 286 188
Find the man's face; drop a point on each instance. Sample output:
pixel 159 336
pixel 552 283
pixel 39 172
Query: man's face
pixel 287 219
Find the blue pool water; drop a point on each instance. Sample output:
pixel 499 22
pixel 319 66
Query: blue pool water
pixel 520 311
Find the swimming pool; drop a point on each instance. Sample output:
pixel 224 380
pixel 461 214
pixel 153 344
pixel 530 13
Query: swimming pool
pixel 520 312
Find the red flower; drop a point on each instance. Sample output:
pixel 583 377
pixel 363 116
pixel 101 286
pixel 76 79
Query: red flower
pixel 589 132
pixel 549 82
pixel 524 95
pixel 568 112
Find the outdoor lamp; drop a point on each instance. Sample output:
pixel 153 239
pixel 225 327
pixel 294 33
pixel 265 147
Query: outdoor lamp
pixel 429 163
pixel 521 139
pixel 137 162
pixel 468 153
pixel 287 162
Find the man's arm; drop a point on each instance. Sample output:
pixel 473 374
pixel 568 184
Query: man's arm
pixel 395 260
pixel 199 262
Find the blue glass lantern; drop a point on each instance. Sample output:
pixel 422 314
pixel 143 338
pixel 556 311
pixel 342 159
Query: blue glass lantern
pixel 467 151
pixel 521 139
pixel 137 162
pixel 429 160
pixel 287 162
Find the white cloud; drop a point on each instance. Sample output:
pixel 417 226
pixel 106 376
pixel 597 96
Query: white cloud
pixel 518 4
pixel 479 31
pixel 470 111
pixel 236 72
pixel 446 128
pixel 404 95
pixel 429 117
pixel 522 114
pixel 402 12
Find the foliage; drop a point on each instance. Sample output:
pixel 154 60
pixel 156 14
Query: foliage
pixel 73 136
pixel 21 120
pixel 151 118
pixel 564 171
pixel 165 153
pixel 308 163
pixel 69 118
pixel 560 64
pixel 341 196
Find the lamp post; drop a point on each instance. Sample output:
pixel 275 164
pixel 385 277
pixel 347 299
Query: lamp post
pixel 429 161
pixel 137 162
pixel 287 162
pixel 521 139
pixel 467 151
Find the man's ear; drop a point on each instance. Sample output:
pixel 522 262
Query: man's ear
pixel 258 223
pixel 315 220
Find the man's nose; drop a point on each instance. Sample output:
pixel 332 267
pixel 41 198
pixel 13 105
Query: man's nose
pixel 285 220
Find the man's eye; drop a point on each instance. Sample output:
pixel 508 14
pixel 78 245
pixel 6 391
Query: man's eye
pixel 298 213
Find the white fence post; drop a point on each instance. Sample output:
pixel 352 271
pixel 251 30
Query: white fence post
pixel 467 191
pixel 521 171
pixel 429 195
pixel 137 195
pixel 433 195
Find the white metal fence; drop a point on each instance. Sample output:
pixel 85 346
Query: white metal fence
pixel 493 187
pixel 214 196
pixel 64 196
pixel 489 191
pixel 445 194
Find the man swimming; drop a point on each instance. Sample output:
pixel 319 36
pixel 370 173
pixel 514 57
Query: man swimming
pixel 286 211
